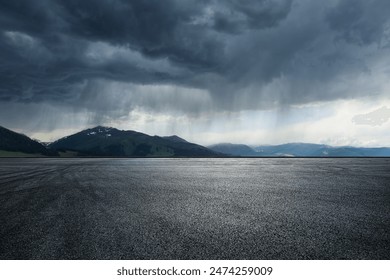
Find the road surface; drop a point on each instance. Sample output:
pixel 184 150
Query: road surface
pixel 194 208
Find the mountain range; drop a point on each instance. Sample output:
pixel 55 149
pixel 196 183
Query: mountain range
pixel 108 141
pixel 103 141
pixel 298 150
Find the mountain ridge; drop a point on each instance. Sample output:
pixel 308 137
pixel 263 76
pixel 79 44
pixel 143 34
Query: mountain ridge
pixel 102 141
pixel 17 144
pixel 300 150
pixel 108 141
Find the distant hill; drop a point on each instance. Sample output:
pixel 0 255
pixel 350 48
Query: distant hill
pixel 300 150
pixel 233 149
pixel 293 149
pixel 16 144
pixel 318 150
pixel 107 141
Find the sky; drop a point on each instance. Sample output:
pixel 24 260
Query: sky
pixel 233 71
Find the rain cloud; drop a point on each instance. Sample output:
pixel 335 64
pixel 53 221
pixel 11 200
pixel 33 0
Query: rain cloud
pixel 228 56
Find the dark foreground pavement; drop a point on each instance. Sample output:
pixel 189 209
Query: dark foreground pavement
pixel 194 208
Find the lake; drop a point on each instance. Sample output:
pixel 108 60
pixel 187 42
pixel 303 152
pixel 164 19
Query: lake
pixel 233 208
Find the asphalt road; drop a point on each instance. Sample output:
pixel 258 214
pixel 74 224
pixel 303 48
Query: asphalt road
pixel 194 208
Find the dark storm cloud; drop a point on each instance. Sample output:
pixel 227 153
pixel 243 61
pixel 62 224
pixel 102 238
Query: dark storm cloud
pixel 246 54
pixel 239 16
pixel 360 21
